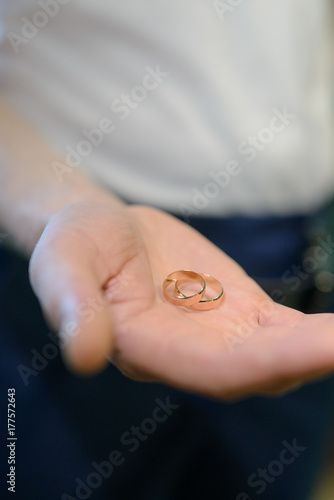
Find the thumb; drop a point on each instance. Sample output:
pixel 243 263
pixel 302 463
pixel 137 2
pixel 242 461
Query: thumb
pixel 68 279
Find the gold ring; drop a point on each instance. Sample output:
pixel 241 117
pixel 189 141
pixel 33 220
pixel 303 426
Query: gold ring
pixel 180 299
pixel 205 304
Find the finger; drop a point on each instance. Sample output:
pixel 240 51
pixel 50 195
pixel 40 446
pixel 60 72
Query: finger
pixel 204 360
pixel 307 349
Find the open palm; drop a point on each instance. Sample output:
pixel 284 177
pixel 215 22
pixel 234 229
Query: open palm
pixel 98 272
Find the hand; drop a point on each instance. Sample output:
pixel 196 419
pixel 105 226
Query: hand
pixel 98 272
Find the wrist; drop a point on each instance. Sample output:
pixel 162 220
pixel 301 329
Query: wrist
pixel 25 220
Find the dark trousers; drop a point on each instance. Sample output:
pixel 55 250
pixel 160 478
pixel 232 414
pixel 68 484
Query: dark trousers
pixel 108 437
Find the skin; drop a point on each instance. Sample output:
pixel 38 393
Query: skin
pixel 97 267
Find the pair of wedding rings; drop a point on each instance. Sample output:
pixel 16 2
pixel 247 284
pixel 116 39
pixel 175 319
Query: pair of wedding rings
pixel 179 280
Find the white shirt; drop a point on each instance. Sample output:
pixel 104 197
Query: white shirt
pixel 239 122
